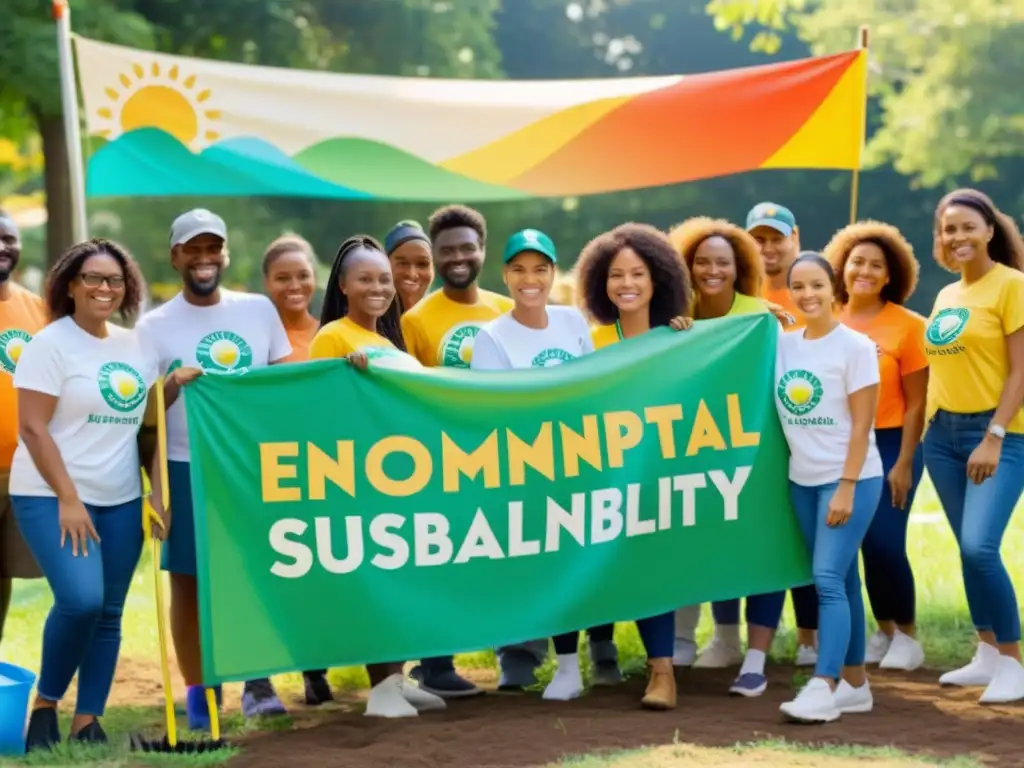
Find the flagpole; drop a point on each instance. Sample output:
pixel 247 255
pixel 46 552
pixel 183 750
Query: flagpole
pixel 72 130
pixel 863 40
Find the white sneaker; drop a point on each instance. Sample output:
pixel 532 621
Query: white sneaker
pixel 850 700
pixel 904 653
pixel 814 704
pixel 567 683
pixel 684 652
pixel 386 700
pixel 420 699
pixel 878 646
pixel 979 672
pixel 1007 684
pixel 719 654
pixel 806 656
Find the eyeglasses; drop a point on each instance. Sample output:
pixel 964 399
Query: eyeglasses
pixel 93 280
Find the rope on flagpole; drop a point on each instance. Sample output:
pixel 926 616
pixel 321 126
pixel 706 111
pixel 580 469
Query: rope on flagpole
pixel 863 41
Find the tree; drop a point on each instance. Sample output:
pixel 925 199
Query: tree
pixel 946 75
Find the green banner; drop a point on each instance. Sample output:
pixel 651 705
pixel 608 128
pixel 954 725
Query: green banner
pixel 346 517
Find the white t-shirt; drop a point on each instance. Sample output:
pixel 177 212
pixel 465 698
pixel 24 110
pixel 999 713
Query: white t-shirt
pixel 240 332
pixel 505 343
pixel 101 386
pixel 813 381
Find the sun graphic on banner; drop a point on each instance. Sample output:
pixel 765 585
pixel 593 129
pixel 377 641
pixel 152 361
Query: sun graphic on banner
pixel 157 98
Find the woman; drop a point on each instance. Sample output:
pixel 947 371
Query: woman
pixel 360 322
pixel 631 280
pixel 83 387
pixel 289 279
pixel 877 273
pixel 827 394
pixel 726 267
pixel 974 447
pixel 412 262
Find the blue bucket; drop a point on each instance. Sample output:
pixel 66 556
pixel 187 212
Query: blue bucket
pixel 15 688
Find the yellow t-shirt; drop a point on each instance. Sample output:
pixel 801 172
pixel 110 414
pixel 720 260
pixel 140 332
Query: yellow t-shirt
pixel 342 337
pixel 604 335
pixel 441 332
pixel 965 343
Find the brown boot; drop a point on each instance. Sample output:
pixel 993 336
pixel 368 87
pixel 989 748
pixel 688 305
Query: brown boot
pixel 661 685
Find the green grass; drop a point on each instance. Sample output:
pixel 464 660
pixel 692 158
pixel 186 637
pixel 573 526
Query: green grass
pixel 945 630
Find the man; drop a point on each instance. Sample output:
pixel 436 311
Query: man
pixel 204 329
pixel 774 228
pixel 22 315
pixel 535 335
pixel 440 331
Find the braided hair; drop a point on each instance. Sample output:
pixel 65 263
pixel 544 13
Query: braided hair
pixel 335 304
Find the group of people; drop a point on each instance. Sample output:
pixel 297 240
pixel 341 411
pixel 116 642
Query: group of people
pixel 867 392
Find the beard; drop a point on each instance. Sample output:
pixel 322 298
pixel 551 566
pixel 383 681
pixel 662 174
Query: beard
pixel 202 289
pixel 8 262
pixel 462 282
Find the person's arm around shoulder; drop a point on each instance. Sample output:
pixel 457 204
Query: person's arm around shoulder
pixel 39 379
pixel 862 378
pixel 984 459
pixel 914 383
pixel 487 352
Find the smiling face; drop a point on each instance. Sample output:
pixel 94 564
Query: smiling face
pixel 529 277
pixel 630 287
pixel 778 251
pixel 200 262
pixel 866 272
pixel 965 235
pixel 413 270
pixel 368 283
pixel 10 248
pixel 290 282
pixel 98 289
pixel 811 289
pixel 458 256
pixel 714 267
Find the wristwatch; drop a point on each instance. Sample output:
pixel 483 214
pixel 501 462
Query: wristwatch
pixel 996 431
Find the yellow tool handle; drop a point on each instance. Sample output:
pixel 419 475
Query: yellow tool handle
pixel 165 669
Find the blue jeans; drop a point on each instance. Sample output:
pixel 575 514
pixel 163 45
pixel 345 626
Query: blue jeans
pixel 978 514
pixel 836 569
pixel 658 634
pixel 83 630
pixel 761 610
pixel 887 573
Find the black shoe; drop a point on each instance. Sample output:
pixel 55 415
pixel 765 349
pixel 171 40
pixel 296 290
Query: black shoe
pixel 91 734
pixel 416 673
pixel 318 690
pixel 43 730
pixel 259 699
pixel 448 684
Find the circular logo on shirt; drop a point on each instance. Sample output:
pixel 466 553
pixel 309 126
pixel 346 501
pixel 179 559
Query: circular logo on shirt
pixel 456 350
pixel 947 325
pixel 121 386
pixel 12 342
pixel 799 391
pixel 549 357
pixel 223 352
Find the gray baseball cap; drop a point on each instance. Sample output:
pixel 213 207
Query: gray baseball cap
pixel 198 221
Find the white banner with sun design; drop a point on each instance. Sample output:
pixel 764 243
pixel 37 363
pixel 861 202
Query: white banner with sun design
pixel 168 125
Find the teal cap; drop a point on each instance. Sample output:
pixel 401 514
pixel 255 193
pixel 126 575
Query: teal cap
pixel 530 240
pixel 777 217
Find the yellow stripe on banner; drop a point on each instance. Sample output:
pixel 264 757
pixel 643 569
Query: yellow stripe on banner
pixel 834 136
pixel 511 156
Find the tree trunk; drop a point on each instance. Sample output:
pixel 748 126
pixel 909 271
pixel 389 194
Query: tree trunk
pixel 59 209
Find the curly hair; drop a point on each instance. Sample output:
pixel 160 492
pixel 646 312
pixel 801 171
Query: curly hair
pixel 453 216
pixel 287 243
pixel 68 266
pixel 1006 246
pixel 687 237
pixel 669 275
pixel 335 305
pixel 900 261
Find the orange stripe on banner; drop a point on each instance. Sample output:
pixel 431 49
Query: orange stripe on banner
pixel 704 126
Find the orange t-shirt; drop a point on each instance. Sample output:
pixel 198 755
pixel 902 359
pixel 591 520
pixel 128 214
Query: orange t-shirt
pixel 899 335
pixel 781 297
pixel 301 336
pixel 22 316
